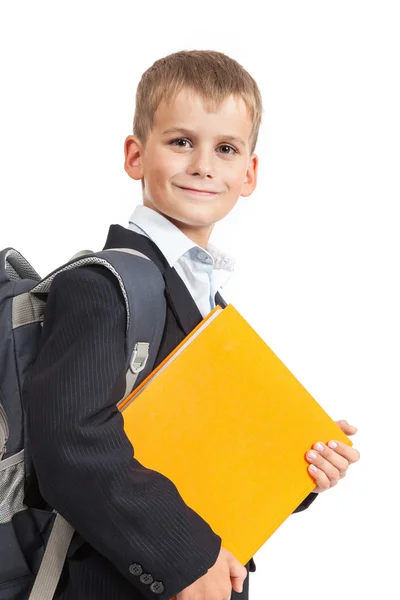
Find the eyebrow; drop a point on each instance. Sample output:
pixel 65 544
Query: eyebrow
pixel 189 133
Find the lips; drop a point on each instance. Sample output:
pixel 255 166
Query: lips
pixel 196 190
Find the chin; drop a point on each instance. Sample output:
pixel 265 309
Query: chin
pixel 192 222
pixel 197 220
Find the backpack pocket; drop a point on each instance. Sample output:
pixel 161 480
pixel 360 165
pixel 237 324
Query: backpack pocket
pixel 23 541
pixel 17 589
pixel 12 473
pixel 13 565
pixel 3 431
pixel 12 561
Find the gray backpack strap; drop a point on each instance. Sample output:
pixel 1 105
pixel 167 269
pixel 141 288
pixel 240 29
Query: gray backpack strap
pixel 142 287
pixel 147 308
pixel 53 560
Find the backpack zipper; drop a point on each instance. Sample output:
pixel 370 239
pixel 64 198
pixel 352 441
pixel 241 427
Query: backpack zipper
pixel 4 431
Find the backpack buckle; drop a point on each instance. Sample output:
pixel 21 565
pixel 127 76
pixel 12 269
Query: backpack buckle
pixel 139 357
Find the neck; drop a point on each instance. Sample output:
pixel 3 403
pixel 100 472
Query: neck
pixel 199 235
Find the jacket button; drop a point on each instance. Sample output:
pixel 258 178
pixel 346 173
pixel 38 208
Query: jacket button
pixel 135 569
pixel 146 578
pixel 157 587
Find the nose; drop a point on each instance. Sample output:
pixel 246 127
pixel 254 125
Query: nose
pixel 202 164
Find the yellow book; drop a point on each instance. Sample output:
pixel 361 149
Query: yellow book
pixel 229 424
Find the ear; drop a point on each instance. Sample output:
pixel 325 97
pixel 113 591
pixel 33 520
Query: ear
pixel 133 157
pixel 250 180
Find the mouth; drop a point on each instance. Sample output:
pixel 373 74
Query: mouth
pixel 197 192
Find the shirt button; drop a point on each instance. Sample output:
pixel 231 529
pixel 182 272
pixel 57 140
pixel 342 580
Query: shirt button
pixel 202 255
pixel 135 569
pixel 157 587
pixel 146 578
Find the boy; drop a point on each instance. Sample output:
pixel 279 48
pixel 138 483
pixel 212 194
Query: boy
pixel 196 124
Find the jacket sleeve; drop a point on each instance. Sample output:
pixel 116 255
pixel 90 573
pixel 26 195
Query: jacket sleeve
pixel 85 464
pixel 306 502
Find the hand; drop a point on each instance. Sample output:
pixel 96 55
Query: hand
pixel 217 583
pixel 329 463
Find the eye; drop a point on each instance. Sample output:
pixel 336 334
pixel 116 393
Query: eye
pixel 180 142
pixel 228 149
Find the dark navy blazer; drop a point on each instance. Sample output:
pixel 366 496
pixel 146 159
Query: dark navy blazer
pixel 136 538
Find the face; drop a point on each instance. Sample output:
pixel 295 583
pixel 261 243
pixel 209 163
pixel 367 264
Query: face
pixel 195 164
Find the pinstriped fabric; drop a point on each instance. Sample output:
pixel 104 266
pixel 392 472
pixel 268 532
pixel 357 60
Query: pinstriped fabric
pixel 85 464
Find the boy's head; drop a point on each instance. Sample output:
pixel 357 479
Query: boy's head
pixel 195 129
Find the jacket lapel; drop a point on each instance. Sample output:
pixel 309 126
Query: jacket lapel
pixel 178 296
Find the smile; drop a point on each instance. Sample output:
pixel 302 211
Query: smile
pixel 197 192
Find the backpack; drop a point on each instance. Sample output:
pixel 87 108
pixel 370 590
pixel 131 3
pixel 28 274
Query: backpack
pixel 36 541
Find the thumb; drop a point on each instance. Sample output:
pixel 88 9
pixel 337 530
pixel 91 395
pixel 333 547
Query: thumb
pixel 238 574
pixel 346 428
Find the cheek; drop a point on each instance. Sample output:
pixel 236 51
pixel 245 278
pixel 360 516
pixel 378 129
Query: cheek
pixel 236 182
pixel 166 165
pixel 234 176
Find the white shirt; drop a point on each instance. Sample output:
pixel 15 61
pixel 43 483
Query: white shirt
pixel 204 271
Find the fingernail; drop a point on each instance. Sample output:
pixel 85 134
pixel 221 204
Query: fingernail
pixel 332 444
pixel 318 446
pixel 312 455
pixel 313 468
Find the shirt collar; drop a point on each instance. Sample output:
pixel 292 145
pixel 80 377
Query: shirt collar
pixel 171 241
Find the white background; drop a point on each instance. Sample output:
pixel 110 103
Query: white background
pixel 317 242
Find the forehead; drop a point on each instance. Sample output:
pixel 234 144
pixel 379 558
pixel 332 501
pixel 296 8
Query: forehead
pixel 188 110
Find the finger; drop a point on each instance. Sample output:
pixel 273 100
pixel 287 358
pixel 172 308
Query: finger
pixel 348 452
pixel 331 472
pixel 238 580
pixel 346 427
pixel 321 480
pixel 337 460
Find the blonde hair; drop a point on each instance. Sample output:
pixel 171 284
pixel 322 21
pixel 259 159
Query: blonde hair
pixel 211 74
